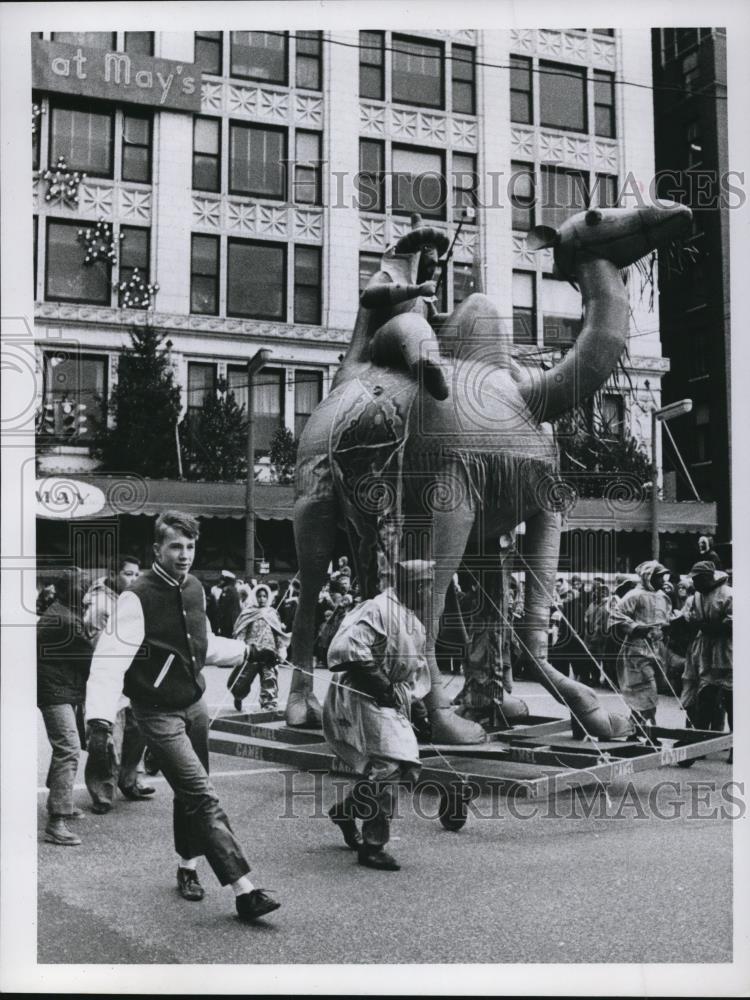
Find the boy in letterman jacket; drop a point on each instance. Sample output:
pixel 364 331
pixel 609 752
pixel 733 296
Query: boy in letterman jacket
pixel 155 654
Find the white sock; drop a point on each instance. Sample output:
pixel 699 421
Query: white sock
pixel 191 863
pixel 242 885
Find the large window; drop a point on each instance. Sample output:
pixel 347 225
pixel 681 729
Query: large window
pixel 564 192
pixel 606 192
pixel 268 397
pixel 90 39
pixel 256 280
pixel 561 307
pixel 83 138
pixel 134 254
pixel 524 308
pixel 562 96
pixel 418 182
pixel 371 176
pixel 612 416
pixel 208 51
pixel 465 181
pixel 604 104
pixel 257 161
pixel 68 279
pixel 703 449
pixel 463 281
pixel 521 102
pixel 308 392
pixel 260 55
pixel 139 43
pixel 307 168
pixel 462 78
pixel 136 148
pixel 307 285
pixel 308 71
pixel 75 392
pixel 417 72
pixel 201 385
pixel 206 154
pixel 369 264
pixel 522 195
pixel 372 65
pixel 237 381
pixel 204 275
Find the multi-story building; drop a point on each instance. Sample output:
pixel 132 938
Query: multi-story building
pixel 692 153
pixel 257 177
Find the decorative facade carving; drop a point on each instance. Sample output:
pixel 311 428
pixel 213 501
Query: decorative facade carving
pixel 464 133
pixel 550 147
pixel 522 143
pixel 95 199
pixel 605 155
pixel 522 256
pixel 308 224
pixel 372 119
pixel 465 244
pixel 212 97
pixel 242 100
pixel 576 151
pixel 432 128
pixel 404 124
pixel 308 110
pixel 603 51
pixel 522 40
pixel 135 204
pixel 273 104
pixel 371 233
pixel 207 212
pixel 272 221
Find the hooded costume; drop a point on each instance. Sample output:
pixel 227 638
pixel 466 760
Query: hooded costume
pixel 262 632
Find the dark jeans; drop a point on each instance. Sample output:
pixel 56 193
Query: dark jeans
pixel 711 706
pixel 372 799
pixel 129 744
pixel 179 742
pixel 63 734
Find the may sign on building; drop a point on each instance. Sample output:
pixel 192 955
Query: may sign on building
pixel 116 76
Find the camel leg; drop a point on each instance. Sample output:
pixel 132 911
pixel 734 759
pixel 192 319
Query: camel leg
pixel 450 534
pixel 541 558
pixel 315 538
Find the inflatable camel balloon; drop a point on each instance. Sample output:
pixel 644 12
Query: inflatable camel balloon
pixel 418 454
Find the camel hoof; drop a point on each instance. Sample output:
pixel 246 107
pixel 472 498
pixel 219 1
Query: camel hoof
pixel 622 725
pixel 303 710
pixel 447 727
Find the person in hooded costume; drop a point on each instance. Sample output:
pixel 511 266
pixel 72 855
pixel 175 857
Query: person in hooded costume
pixel 707 678
pixel 261 630
pixel 639 621
pixel 380 675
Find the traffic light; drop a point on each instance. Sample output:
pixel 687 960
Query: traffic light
pixel 68 417
pixel 82 421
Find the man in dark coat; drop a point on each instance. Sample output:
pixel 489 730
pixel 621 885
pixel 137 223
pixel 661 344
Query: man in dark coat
pixel 62 669
pixel 228 605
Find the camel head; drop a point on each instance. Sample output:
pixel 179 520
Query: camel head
pixel 619 235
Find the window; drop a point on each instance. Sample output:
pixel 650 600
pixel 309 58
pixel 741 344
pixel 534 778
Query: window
pixel 562 96
pixel 257 158
pixel 208 51
pixel 418 182
pixel 136 148
pixel 256 280
pixel 68 279
pixel 561 307
pixel 204 275
pixel 524 308
pixel 371 65
pixel 307 285
pixel 134 254
pixel 603 31
pixel 36 250
pixel 521 101
pixel 75 392
pixel 268 400
pixel 464 181
pixel 462 77
pixel 36 140
pixel 605 193
pixel 206 154
pixel 564 192
pixel 84 138
pixel 371 176
pixel 604 104
pixel 694 145
pixel 463 281
pixel 260 55
pixel 237 383
pixel 308 392
pixel 90 39
pixel 417 72
pixel 307 168
pixel 690 72
pixel 686 37
pixel 702 432
pixel 612 414
pixel 139 43
pixel 522 195
pixel 369 264
pixel 201 385
pixel 309 59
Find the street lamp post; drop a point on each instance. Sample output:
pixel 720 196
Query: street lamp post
pixel 665 413
pixel 258 360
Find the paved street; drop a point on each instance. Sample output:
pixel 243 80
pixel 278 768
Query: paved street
pixel 505 889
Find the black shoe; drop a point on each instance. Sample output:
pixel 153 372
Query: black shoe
pixel 374 857
pixel 100 808
pixel 348 827
pixel 189 886
pixel 253 905
pixel 238 704
pixel 135 792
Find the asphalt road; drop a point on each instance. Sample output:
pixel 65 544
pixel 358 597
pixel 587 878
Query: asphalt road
pixel 621 885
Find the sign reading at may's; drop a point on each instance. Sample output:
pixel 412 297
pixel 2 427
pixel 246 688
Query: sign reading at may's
pixel 115 76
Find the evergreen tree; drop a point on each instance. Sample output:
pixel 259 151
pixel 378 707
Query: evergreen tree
pixel 145 405
pixel 283 454
pixel 214 439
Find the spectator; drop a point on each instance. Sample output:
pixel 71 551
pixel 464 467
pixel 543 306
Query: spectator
pixel 262 632
pixel 228 607
pixel 63 661
pixel 706 551
pixel 707 680
pixel 597 623
pixel 570 650
pixel 289 604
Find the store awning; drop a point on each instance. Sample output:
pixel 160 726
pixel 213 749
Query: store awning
pixel 622 515
pixel 84 497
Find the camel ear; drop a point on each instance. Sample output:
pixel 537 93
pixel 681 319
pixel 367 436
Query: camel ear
pixel 541 237
pixel 593 217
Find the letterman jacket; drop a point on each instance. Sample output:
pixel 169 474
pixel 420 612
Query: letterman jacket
pixel 156 649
